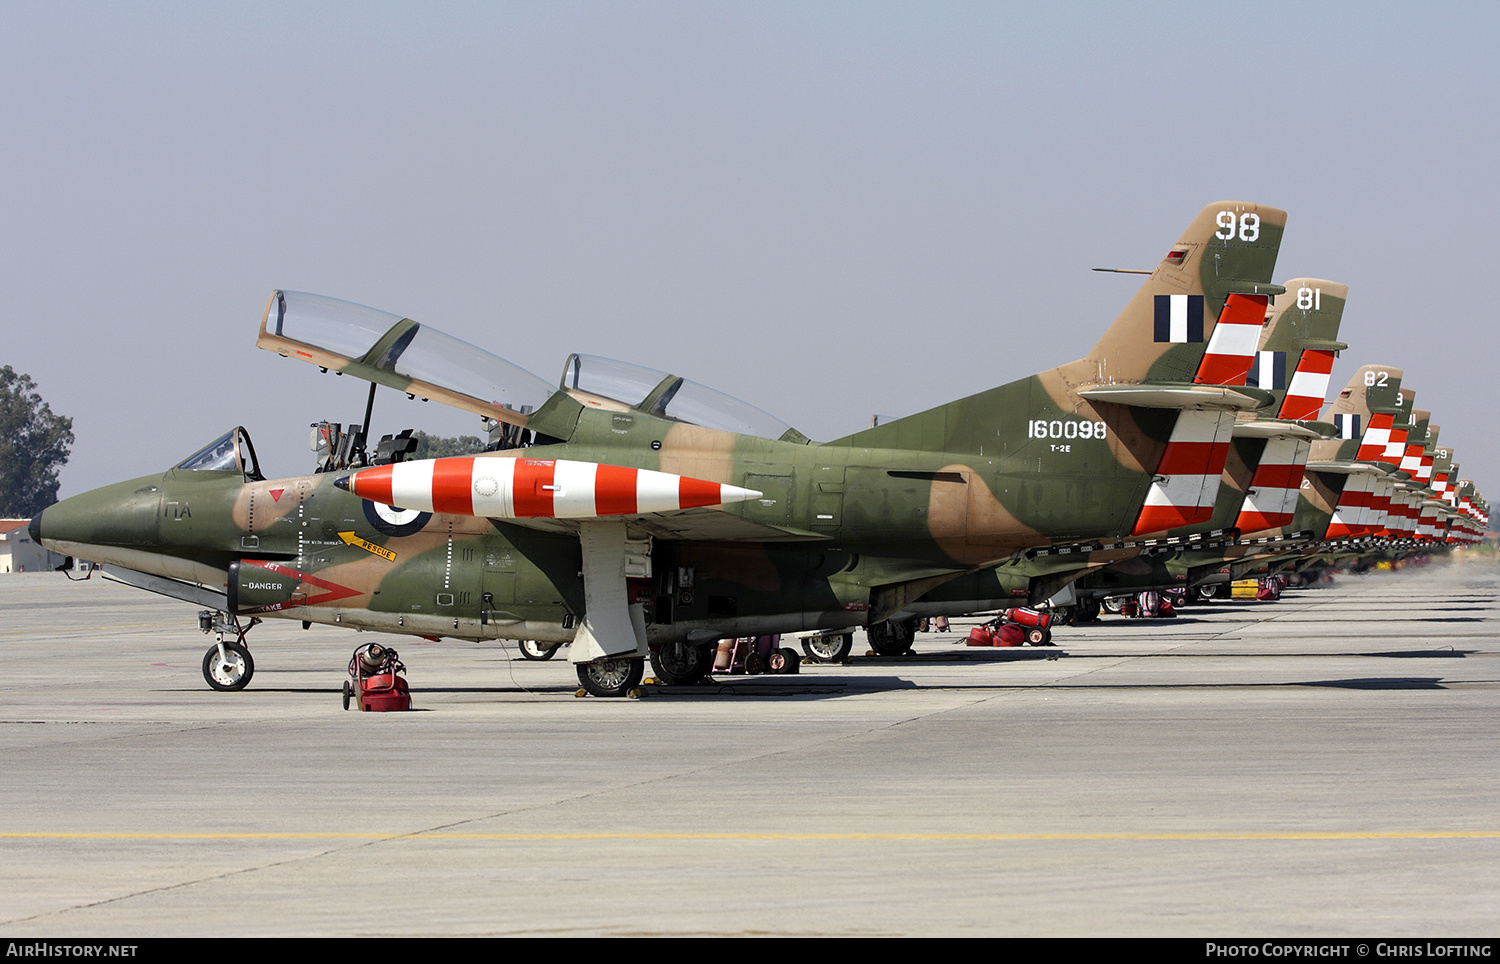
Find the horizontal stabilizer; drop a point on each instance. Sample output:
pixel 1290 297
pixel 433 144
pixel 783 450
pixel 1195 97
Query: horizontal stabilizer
pixel 1178 396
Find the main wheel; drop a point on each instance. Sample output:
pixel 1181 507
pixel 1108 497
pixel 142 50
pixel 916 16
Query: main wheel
pixel 1113 604
pixel 681 664
pixel 611 677
pixel 828 649
pixel 1086 612
pixel 1203 593
pixel 536 649
pixel 890 638
pixel 230 673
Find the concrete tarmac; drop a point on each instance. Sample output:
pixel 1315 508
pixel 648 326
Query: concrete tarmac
pixel 1327 765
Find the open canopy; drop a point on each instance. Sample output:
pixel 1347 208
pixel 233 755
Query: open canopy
pixel 593 380
pixel 418 359
pixel 399 353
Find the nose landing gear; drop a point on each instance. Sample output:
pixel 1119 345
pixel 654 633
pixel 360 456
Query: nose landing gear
pixel 227 667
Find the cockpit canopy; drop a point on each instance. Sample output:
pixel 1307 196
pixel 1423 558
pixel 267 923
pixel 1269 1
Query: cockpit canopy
pixel 399 353
pixel 230 452
pixel 668 396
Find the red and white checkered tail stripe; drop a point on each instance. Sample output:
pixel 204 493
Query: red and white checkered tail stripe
pixel 1353 507
pixel 1271 499
pixel 1411 510
pixel 1427 524
pixel 1380 506
pixel 1411 460
pixel 1377 436
pixel 1395 515
pixel 1187 480
pixel 1395 449
pixel 1231 348
pixel 519 488
pixel 1304 396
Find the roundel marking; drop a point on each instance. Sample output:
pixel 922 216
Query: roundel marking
pixel 393 521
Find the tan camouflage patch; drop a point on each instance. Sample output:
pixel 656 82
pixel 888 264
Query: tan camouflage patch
pixel 969 523
pixel 699 453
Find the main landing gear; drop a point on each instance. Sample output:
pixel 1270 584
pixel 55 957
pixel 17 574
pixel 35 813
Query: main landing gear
pixel 681 664
pixel 611 677
pixel 227 666
pixel 828 648
pixel 890 638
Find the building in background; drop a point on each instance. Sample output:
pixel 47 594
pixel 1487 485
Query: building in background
pixel 18 553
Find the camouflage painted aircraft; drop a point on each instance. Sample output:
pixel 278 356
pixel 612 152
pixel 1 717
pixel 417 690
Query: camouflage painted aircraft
pixel 645 514
pixel 1342 479
pixel 1258 466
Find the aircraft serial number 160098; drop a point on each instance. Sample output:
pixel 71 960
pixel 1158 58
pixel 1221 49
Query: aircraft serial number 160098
pixel 631 512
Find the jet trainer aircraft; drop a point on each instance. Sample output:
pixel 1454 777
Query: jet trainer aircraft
pixel 633 512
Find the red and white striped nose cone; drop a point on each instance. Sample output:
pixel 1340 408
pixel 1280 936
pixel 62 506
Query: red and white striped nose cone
pixel 521 488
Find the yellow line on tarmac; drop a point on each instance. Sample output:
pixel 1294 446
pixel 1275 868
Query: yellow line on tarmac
pixel 998 837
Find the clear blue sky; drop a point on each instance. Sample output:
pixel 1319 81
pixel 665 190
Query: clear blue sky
pixel 828 209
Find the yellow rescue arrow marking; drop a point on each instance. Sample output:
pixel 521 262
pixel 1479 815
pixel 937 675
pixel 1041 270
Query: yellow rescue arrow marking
pixel 380 551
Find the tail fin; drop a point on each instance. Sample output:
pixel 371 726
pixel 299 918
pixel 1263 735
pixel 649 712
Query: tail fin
pixel 1301 328
pixel 1395 445
pixel 1429 455
pixel 1364 414
pixel 1416 441
pixel 1230 248
pixel 1158 340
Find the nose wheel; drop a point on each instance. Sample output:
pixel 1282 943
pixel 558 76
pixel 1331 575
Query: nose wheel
pixel 227 666
pixel 230 670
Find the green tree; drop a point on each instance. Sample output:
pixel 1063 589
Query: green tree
pixel 34 444
pixel 441 447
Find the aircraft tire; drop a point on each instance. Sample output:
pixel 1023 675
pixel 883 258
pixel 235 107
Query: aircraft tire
pixel 890 638
pixel 535 649
pixel 1086 612
pixel 682 666
pixel 1112 604
pixel 828 649
pixel 611 677
pixel 231 675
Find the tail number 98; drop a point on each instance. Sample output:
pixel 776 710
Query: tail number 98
pixel 1065 428
pixel 1244 226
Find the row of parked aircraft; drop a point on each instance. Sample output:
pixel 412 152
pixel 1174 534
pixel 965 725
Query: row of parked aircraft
pixel 633 513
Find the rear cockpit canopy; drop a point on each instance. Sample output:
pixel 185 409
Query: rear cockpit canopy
pixel 615 385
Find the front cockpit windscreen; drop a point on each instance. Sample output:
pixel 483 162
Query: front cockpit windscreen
pixel 230 452
pixel 399 353
pixel 671 396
